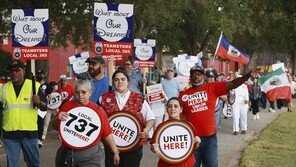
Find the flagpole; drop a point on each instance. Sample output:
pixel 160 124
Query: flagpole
pixel 218 43
pixel 217 47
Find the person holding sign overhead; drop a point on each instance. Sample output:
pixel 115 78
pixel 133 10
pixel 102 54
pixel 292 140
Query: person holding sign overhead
pixel 82 125
pixel 199 109
pixel 174 110
pixel 122 99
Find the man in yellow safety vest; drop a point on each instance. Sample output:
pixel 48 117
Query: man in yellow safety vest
pixel 20 130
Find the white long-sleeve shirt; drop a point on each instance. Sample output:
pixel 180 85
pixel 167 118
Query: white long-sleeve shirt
pixel 241 95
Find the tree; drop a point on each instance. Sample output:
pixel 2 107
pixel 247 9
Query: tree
pixel 190 25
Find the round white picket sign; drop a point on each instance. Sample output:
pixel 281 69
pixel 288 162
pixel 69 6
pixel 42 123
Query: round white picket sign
pixel 54 100
pixel 81 129
pixel 126 128
pixel 175 141
pixel 227 110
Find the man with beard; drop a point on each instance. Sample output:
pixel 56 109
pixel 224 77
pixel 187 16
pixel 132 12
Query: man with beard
pixel 100 82
pixel 100 85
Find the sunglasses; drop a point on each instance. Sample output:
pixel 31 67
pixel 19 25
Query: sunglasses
pixel 127 64
pixel 82 91
pixel 15 70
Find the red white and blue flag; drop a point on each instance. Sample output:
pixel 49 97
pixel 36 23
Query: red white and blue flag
pixel 226 50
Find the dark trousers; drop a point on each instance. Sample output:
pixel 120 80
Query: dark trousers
pixel 263 100
pixel 271 104
pixel 207 152
pixel 279 103
pixel 40 123
pixel 127 159
pixel 255 106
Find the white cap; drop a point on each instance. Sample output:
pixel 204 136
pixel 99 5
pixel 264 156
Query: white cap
pixel 64 77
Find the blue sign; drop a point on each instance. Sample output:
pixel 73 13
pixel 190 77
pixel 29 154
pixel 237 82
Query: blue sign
pixel 30 27
pixel 144 49
pixel 113 22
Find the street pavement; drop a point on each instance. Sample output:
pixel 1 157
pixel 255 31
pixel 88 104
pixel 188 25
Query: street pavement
pixel 230 146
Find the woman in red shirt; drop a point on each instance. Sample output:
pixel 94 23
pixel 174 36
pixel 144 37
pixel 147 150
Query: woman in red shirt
pixel 174 110
pixel 90 154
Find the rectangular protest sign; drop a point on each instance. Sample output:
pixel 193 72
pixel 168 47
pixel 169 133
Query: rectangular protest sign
pixel 113 29
pixel 30 34
pixel 144 52
pixel 155 93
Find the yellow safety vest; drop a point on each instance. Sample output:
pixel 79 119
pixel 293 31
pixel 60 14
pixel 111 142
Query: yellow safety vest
pixel 18 113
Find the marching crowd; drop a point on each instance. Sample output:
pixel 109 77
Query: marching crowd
pixel 201 104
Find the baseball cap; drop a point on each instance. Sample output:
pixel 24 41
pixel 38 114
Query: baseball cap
pixel 170 69
pixel 63 77
pixel 97 59
pixel 197 67
pixel 40 72
pixel 16 64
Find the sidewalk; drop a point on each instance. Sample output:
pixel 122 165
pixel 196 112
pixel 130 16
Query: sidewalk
pixel 231 146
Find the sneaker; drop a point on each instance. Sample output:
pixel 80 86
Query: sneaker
pixel 273 111
pixel 257 116
pixel 235 133
pixel 40 144
pixel 243 132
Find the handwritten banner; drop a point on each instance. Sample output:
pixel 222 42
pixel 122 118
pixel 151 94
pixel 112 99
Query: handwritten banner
pixel 126 128
pixel 176 141
pixel 144 52
pixel 113 29
pixel 30 33
pixel 81 129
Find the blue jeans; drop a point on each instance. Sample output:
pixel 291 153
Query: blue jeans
pixel 207 152
pixel 218 113
pixel 29 146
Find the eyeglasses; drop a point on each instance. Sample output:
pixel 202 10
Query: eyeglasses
pixel 127 64
pixel 82 91
pixel 15 70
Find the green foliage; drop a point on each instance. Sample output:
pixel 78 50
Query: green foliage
pixel 5 60
pixel 190 25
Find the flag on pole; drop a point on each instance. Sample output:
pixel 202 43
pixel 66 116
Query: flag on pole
pixel 226 50
pixel 276 85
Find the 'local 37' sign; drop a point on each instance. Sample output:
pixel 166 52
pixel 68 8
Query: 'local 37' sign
pixel 30 33
pixel 113 29
pixel 144 52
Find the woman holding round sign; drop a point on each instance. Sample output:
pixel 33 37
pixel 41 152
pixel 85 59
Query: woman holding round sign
pixel 175 149
pixel 82 124
pixel 130 118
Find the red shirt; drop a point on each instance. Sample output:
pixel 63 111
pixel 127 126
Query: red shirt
pixel 105 129
pixel 66 91
pixel 199 106
pixel 188 163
